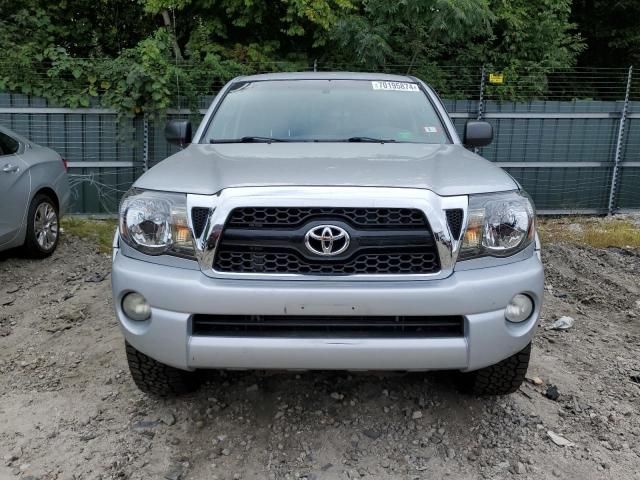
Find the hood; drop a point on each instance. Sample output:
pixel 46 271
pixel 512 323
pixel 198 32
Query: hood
pixel 443 169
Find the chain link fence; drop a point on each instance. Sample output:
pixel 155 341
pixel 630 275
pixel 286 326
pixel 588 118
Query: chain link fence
pixel 570 137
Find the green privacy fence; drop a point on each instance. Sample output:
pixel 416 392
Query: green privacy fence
pixel 572 155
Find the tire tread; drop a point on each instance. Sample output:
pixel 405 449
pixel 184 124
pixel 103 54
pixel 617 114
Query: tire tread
pixel 503 378
pixel 158 379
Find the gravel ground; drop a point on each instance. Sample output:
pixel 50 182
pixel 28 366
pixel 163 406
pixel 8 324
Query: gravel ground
pixel 69 409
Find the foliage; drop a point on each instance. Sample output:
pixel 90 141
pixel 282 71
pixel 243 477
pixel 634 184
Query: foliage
pixel 84 28
pixel 291 24
pixel 409 31
pixel 531 39
pixel 142 79
pixel 145 56
pixel 80 67
pixel 611 30
pixel 436 39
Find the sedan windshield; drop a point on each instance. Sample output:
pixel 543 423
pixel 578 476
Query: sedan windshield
pixel 325 111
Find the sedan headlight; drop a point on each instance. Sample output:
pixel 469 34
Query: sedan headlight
pixel 156 223
pixel 499 225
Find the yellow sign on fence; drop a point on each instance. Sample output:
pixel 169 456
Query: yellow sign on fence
pixel 496 78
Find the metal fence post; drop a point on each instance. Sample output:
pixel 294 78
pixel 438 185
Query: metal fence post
pixel 618 151
pixel 480 116
pixel 145 142
pixel 483 80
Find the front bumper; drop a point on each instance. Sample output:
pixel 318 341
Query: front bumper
pixel 175 294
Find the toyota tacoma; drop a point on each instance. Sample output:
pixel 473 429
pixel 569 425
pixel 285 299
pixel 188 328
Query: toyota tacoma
pixel 327 221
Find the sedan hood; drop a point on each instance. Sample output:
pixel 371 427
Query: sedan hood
pixel 443 169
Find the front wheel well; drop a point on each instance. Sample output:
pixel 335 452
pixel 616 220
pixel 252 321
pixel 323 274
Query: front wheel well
pixel 49 192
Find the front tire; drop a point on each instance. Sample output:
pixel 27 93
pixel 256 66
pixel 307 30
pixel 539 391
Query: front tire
pixel 502 378
pixel 158 379
pixel 43 227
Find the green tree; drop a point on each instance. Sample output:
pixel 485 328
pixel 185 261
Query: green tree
pixel 288 26
pixel 409 31
pixel 611 30
pixel 530 34
pixel 84 28
pixel 140 55
pixel 529 40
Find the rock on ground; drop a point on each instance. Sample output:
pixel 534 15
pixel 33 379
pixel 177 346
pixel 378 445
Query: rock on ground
pixel 69 409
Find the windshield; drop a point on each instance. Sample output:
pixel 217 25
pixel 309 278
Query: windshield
pixel 326 110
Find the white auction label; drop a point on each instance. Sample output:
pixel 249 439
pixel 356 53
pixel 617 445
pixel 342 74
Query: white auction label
pixel 397 86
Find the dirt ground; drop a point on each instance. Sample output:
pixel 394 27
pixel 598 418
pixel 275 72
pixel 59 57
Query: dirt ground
pixel 69 410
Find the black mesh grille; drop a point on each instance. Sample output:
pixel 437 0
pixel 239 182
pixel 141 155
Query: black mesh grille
pixel 271 240
pixel 289 262
pixel 199 219
pixel 293 217
pixel 305 326
pixel 454 218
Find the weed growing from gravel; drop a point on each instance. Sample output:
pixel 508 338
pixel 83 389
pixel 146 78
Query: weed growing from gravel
pixel 620 232
pixel 99 231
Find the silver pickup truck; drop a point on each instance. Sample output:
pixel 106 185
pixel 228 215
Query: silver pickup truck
pixel 327 221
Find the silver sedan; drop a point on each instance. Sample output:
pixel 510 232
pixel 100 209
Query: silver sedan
pixel 34 192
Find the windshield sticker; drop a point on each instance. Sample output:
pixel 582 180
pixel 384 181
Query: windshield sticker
pixel 397 86
pixel 431 129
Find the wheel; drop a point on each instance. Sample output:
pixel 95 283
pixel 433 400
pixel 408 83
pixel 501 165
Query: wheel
pixel 42 227
pixel 500 379
pixel 158 379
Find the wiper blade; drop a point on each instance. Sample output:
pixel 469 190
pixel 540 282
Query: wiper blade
pixel 370 140
pixel 249 140
pixel 256 139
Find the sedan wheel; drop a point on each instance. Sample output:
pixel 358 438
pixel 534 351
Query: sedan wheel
pixel 45 225
pixel 42 227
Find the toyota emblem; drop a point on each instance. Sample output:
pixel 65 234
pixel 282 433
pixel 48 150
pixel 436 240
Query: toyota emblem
pixel 327 240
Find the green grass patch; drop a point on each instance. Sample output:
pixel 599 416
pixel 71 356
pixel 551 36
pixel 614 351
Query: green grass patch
pixel 620 232
pixel 98 231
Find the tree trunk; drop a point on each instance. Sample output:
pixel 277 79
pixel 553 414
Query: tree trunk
pixel 171 30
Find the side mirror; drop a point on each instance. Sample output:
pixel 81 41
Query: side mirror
pixel 478 134
pixel 178 132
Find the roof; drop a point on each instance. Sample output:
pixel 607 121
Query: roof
pixel 326 76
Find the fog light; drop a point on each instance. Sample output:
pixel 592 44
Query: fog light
pixel 135 307
pixel 519 309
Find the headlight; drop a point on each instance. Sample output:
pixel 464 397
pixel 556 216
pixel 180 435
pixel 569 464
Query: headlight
pixel 499 225
pixel 156 223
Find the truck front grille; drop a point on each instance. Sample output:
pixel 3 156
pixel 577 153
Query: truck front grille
pixel 271 240
pixel 287 262
pixel 292 217
pixel 310 326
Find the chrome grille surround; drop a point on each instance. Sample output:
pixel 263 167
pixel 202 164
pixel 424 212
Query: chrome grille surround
pixel 224 202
